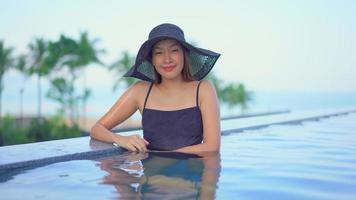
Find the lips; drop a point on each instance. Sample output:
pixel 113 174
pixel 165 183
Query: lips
pixel 168 68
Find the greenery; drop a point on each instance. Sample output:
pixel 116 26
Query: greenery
pixel 38 67
pixel 6 61
pixel 10 133
pixel 62 62
pixel 71 57
pixel 231 93
pixel 20 65
pixel 120 67
pixel 13 132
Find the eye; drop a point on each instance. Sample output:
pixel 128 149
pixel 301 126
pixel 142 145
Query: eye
pixel 175 50
pixel 157 53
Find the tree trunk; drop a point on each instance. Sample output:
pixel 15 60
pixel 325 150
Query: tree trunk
pixel 0 99
pixel 39 114
pixel 72 100
pixel 84 120
pixel 21 107
pixel 39 111
pixel 1 133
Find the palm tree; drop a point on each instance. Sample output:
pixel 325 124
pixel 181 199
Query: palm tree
pixel 87 53
pixel 38 50
pixel 244 96
pixel 73 56
pixel 6 62
pixel 60 91
pixel 21 66
pixel 232 94
pixel 121 66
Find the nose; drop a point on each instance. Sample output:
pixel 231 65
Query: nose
pixel 167 57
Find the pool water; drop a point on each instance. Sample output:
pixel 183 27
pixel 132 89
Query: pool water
pixel 313 160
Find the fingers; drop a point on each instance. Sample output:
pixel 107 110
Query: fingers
pixel 133 143
pixel 146 142
pixel 138 143
pixel 143 142
pixel 131 147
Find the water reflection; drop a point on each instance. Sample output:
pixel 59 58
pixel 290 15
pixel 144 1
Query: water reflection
pixel 162 175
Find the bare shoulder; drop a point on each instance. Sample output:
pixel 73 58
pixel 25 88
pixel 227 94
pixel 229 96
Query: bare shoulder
pixel 207 88
pixel 140 86
pixel 207 92
pixel 138 91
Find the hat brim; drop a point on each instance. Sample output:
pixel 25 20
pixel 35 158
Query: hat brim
pixel 209 59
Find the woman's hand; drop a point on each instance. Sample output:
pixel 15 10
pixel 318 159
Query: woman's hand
pixel 132 143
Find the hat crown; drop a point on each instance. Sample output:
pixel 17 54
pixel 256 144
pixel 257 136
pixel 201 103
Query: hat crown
pixel 167 30
pixel 201 60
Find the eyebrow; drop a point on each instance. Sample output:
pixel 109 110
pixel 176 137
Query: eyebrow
pixel 172 45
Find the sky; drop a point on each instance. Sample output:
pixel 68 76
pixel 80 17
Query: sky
pixel 275 45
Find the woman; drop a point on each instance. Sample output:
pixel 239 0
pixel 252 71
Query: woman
pixel 179 111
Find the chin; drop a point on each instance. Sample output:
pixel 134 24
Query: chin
pixel 170 77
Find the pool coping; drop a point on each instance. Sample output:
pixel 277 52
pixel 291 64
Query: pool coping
pixel 293 118
pixel 43 153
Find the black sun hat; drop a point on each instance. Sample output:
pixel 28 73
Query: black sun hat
pixel 201 60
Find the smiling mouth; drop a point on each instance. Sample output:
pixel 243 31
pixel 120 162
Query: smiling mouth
pixel 168 68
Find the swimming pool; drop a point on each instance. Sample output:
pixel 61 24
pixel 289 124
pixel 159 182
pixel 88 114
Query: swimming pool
pixel 309 160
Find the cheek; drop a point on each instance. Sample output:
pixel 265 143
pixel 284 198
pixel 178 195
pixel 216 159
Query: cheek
pixel 180 58
pixel 154 60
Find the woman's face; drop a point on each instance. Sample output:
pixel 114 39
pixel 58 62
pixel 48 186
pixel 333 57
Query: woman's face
pixel 168 58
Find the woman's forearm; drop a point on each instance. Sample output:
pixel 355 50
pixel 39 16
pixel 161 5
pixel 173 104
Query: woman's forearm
pixel 101 133
pixel 131 142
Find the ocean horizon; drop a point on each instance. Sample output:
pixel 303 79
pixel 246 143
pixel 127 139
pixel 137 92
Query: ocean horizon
pixel 263 101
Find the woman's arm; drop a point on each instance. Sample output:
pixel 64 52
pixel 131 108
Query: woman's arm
pixel 127 104
pixel 209 106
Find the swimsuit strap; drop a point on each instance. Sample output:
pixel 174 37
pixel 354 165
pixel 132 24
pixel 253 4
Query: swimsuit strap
pixel 148 93
pixel 197 96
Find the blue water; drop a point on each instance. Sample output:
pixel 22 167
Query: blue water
pixel 314 160
pixel 303 100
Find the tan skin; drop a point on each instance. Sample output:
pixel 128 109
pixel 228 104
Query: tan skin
pixel 164 96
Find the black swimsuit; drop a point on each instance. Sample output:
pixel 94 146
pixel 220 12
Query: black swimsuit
pixel 170 130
